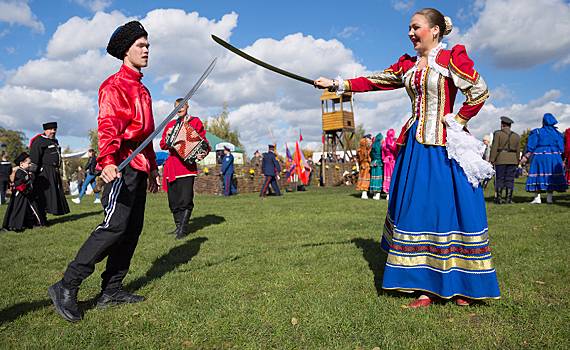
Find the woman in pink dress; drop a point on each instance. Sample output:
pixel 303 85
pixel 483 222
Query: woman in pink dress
pixel 389 151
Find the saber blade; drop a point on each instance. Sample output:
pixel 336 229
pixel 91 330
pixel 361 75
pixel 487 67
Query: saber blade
pixel 162 125
pixel 260 62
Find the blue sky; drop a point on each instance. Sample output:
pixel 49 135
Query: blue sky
pixel 53 58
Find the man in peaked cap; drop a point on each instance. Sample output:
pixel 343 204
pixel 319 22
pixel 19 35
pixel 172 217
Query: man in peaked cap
pixel 125 119
pixel 505 157
pixel 227 172
pixel 270 168
pixel 45 154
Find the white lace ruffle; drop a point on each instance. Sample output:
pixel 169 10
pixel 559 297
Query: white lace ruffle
pixel 340 88
pixel 467 152
pixel 431 62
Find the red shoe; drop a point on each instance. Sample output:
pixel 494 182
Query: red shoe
pixel 463 302
pixel 424 302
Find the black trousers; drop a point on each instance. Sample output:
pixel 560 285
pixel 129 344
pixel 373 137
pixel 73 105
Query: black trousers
pixel 4 183
pixel 270 181
pixel 181 194
pixel 505 176
pixel 117 236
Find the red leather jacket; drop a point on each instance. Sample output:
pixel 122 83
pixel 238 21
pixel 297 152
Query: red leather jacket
pixel 125 120
pixel 174 167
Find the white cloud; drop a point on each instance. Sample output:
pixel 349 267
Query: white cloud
pixel 84 72
pixel 403 5
pixel 347 32
pixel 20 13
pixel 94 5
pixel 521 33
pixel 78 35
pixel 23 108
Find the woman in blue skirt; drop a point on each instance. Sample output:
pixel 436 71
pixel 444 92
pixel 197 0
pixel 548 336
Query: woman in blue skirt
pixel 544 149
pixel 435 232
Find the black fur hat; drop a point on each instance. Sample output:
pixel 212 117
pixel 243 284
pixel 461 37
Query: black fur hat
pixel 123 37
pixel 50 125
pixel 20 158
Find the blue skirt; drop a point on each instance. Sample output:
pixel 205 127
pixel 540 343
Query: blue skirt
pixel 546 172
pixel 435 232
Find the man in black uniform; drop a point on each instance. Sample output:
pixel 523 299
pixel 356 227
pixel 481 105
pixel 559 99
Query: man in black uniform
pixel 46 164
pixel 270 168
pixel 505 157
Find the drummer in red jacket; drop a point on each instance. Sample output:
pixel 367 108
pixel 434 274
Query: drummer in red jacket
pixel 178 175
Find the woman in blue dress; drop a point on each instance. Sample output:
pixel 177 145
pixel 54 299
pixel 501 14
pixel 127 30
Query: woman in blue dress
pixel 435 231
pixel 544 149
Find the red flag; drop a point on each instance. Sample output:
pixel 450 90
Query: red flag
pixel 323 138
pixel 300 136
pixel 300 170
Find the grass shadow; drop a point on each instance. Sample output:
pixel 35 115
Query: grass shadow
pixel 168 262
pixel 73 217
pixel 376 258
pixel 201 222
pixel 11 313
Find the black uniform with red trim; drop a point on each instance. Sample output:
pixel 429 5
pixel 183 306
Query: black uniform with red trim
pixel 45 154
pixel 22 212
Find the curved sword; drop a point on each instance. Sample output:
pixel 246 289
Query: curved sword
pixel 162 125
pixel 261 63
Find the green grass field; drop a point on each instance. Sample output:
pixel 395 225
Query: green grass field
pixel 302 271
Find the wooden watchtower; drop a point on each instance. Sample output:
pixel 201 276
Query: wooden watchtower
pixel 338 122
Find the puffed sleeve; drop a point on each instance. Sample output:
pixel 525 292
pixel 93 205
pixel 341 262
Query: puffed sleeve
pixel 532 141
pixel 389 79
pixel 469 82
pixel 111 123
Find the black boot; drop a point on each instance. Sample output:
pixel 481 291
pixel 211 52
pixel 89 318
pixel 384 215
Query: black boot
pixel 177 219
pixel 184 228
pixel 509 199
pixel 65 302
pixel 497 196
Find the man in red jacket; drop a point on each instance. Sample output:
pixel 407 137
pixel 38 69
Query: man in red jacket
pixel 125 119
pixel 178 175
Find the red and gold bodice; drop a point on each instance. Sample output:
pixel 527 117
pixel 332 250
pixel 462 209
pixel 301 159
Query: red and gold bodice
pixel 432 90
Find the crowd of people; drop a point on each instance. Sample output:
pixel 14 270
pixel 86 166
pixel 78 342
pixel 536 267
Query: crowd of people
pixel 432 168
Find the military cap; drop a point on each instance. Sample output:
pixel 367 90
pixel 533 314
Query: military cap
pixel 271 146
pixel 506 120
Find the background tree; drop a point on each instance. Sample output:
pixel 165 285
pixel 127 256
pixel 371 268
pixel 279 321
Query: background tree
pixel 220 126
pixel 524 140
pixel 94 140
pixel 12 142
pixel 359 133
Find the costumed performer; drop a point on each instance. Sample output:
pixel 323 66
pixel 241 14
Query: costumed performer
pixel 435 231
pixel 389 152
pixel 227 172
pixel 505 156
pixel 22 212
pixel 270 168
pixel 45 154
pixel 125 120
pixel 544 148
pixel 376 167
pixel 363 154
pixel 178 176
